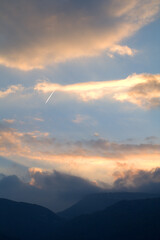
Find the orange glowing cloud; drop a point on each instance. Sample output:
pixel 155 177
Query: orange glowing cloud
pixel 121 50
pixel 10 90
pixel 48 32
pixel 100 158
pixel 142 90
pixel 9 120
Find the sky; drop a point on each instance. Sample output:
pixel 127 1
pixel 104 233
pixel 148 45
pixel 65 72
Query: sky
pixel 100 60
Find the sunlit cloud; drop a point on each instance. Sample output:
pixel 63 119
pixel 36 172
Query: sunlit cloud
pixel 80 118
pixel 142 90
pixel 138 180
pixel 121 50
pixel 38 119
pixel 10 90
pixel 8 120
pixel 86 158
pixel 145 94
pixel 47 32
pixel 96 134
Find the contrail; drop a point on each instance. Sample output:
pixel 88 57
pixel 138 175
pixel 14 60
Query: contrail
pixel 49 97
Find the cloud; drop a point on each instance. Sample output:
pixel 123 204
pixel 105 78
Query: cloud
pixel 121 50
pixel 8 120
pixel 54 190
pixel 80 118
pixel 140 89
pixel 92 90
pixel 10 90
pixel 142 181
pixel 86 158
pixel 146 94
pixel 39 119
pixel 57 191
pixel 37 33
pixel 42 142
pixel 96 134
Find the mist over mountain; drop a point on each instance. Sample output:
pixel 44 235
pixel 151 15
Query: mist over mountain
pixel 54 190
pixel 59 191
pixel 96 202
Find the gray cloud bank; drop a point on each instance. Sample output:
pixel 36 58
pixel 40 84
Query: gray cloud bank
pixel 142 181
pixel 55 191
pixel 58 190
pixel 37 33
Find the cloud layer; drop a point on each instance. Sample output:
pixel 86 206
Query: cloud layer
pixel 91 159
pixel 140 89
pixel 24 143
pixel 37 33
pixel 58 191
pixel 55 190
pixel 143 181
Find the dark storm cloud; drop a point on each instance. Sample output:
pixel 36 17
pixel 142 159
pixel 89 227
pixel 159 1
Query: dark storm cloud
pixel 53 190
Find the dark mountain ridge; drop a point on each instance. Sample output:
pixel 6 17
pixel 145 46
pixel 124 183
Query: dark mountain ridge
pixel 133 220
pixel 126 219
pixel 26 221
pixel 99 201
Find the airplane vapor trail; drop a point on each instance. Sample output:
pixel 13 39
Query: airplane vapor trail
pixel 49 97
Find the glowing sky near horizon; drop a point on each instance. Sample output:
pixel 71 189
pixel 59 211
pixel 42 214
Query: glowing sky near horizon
pixel 102 61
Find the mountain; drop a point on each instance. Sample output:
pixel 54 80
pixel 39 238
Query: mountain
pixel 125 220
pixel 99 201
pixel 26 221
pixel 2 237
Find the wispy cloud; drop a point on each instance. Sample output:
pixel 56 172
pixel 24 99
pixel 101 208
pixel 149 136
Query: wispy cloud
pixel 47 32
pixel 140 89
pixel 80 118
pixel 8 120
pixel 10 90
pixel 38 119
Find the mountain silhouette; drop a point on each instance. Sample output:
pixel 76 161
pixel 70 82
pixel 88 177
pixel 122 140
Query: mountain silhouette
pixel 124 220
pixel 99 201
pixel 3 237
pixel 26 221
